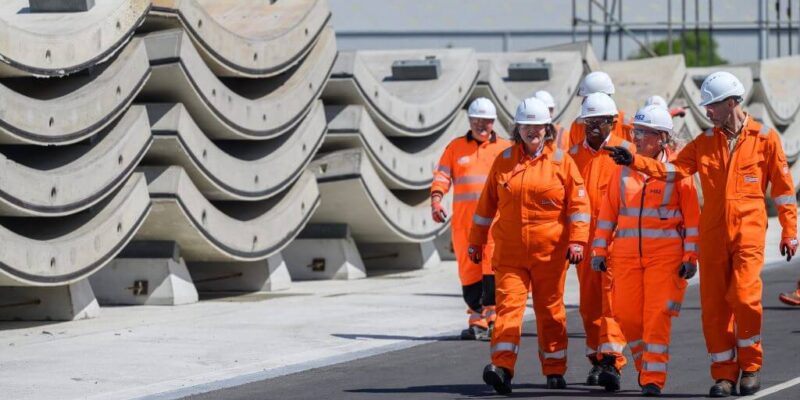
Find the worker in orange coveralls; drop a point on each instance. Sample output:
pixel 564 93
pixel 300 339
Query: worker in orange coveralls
pixel 653 225
pixel 597 82
pixel 542 211
pixel 562 135
pixel 600 117
pixel 735 161
pixel 464 165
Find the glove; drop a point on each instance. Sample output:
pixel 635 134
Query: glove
pixel 621 155
pixel 687 270
pixel 475 253
pixel 437 211
pixel 575 253
pixel 599 264
pixel 788 247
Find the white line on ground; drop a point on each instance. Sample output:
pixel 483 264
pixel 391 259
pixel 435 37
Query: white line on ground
pixel 773 389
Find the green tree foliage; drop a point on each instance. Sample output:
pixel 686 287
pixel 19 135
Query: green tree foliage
pixel 693 43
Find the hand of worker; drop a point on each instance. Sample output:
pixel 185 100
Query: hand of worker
pixel 621 155
pixel 599 264
pixel 575 253
pixel 475 253
pixel 437 210
pixel 687 270
pixel 788 247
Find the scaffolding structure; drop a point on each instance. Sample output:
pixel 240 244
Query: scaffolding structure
pixel 611 23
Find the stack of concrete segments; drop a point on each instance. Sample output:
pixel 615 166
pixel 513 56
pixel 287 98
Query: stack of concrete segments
pixel 234 111
pixel 69 144
pixel 776 83
pixel 634 83
pixel 390 115
pixel 564 73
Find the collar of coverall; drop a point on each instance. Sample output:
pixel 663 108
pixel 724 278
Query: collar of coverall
pixel 492 136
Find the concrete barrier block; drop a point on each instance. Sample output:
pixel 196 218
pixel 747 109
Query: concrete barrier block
pixel 266 275
pixel 61 5
pixel 324 251
pixel 144 281
pixel 60 303
pixel 399 256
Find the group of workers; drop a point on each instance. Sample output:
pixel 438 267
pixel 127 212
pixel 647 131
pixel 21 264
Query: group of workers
pixel 615 198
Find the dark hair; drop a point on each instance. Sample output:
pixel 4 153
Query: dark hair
pixel 549 135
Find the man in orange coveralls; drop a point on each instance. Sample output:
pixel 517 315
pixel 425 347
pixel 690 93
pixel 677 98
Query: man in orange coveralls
pixel 597 82
pixel 600 117
pixel 542 215
pixel 464 164
pixel 655 227
pixel 735 160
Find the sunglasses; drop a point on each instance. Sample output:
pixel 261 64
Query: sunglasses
pixel 640 133
pixel 598 122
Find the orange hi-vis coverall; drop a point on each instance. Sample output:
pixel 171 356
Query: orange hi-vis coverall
pixel 464 165
pixel 733 225
pixel 542 207
pixel 577 131
pixel 596 168
pixel 562 137
pixel 653 225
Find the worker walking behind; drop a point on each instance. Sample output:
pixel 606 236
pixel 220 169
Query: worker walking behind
pixel 601 118
pixel 542 224
pixel 597 82
pixel 464 165
pixel 562 135
pixel 653 225
pixel 736 160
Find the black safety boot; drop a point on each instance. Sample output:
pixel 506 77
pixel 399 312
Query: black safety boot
pixel 594 373
pixel 651 390
pixel 497 377
pixel 475 332
pixel 750 383
pixel 556 382
pixel 609 375
pixel 723 388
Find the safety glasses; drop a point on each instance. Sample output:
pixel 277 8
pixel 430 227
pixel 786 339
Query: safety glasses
pixel 598 122
pixel 640 133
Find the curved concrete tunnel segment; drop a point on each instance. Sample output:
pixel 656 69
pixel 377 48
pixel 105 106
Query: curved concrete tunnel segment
pixel 70 257
pixel 353 194
pixel 235 109
pixel 82 112
pixel 399 168
pixel 245 231
pixel 47 46
pixel 80 183
pixel 634 83
pixel 248 38
pixel 411 108
pixel 224 174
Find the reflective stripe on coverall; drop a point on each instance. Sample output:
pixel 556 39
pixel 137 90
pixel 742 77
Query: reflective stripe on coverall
pixel 655 228
pixel 733 226
pixel 541 206
pixel 464 165
pixel 596 168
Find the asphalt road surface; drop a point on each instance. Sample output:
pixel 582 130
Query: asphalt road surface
pixel 451 369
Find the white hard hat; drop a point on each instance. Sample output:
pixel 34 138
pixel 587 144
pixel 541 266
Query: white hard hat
pixel 597 105
pixel 532 111
pixel 597 81
pixel 546 98
pixel 657 101
pixel 654 116
pixel 719 86
pixel 482 108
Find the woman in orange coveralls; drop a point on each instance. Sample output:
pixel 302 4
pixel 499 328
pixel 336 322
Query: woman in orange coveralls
pixel 653 226
pixel 542 210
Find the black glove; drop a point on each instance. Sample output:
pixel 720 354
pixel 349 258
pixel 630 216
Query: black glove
pixel 599 264
pixel 687 270
pixel 621 155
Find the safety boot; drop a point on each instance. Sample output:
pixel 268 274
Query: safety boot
pixel 475 332
pixel 609 377
pixel 594 373
pixel 497 377
pixel 750 383
pixel 723 388
pixel 791 298
pixel 556 382
pixel 651 390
